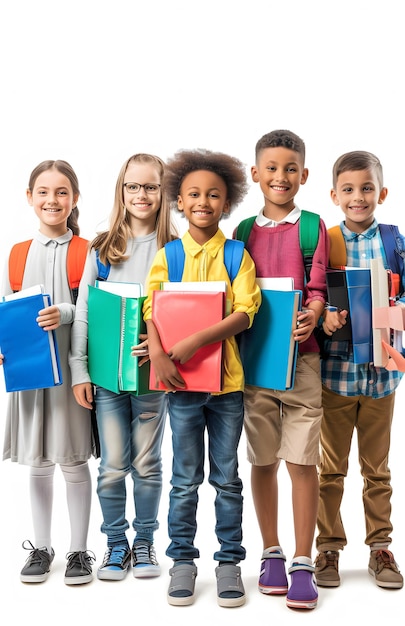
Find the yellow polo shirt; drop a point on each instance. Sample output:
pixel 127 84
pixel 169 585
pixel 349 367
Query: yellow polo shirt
pixel 204 263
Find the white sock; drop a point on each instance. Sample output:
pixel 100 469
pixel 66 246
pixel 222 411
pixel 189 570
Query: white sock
pixel 78 495
pixel 41 494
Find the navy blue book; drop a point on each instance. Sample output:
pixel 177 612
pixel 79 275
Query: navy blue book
pixel 268 349
pixel 31 358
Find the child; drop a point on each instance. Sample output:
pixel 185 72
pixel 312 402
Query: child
pixel 130 427
pixel 206 185
pixel 45 426
pixel 285 424
pixel 356 396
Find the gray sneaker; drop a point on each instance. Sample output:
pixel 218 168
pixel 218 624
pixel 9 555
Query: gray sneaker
pixel 78 568
pixel 144 561
pixel 327 569
pixel 38 564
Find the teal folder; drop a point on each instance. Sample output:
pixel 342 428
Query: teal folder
pixel 268 350
pixel 114 325
pixel 31 357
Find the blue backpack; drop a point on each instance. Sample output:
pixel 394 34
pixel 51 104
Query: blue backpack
pixel 233 254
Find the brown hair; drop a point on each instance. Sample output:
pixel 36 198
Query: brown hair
pixel 230 169
pixel 66 169
pixel 355 161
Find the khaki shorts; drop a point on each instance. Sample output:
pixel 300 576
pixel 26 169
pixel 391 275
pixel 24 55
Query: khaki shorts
pixel 286 424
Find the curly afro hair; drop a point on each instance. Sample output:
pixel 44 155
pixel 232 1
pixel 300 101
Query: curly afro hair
pixel 231 170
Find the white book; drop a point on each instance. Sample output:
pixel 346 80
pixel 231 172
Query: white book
pixel 379 298
pixel 278 283
pixel 126 290
pixel 24 293
pixel 203 285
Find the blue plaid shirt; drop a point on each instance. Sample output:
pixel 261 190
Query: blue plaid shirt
pixel 339 373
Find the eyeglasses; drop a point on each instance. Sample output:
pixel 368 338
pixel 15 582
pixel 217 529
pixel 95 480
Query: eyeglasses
pixel 135 187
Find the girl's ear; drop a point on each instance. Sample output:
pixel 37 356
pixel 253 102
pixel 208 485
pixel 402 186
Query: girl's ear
pixel 179 203
pixel 227 208
pixel 29 197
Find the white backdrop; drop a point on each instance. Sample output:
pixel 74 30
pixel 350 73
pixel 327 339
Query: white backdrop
pixel 93 83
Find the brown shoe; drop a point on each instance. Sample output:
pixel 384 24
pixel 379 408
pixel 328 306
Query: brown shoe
pixel 327 569
pixel 384 569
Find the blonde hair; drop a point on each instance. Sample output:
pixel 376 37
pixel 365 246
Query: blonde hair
pixel 112 243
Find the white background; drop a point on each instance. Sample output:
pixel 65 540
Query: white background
pixel 93 83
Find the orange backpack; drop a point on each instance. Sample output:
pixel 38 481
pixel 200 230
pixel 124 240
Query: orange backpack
pixel 76 257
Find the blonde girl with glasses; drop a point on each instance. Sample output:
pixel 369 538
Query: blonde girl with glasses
pixel 130 427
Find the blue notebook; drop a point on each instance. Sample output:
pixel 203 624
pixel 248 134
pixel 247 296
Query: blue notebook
pixel 268 350
pixel 355 285
pixel 31 358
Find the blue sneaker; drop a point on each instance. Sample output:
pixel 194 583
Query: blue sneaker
pixel 273 579
pixel 116 563
pixel 303 592
pixel 144 562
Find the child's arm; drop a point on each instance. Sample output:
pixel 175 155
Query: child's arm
pixel 165 370
pixel 233 324
pixel 307 320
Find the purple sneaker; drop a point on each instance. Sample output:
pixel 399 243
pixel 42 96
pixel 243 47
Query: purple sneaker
pixel 303 592
pixel 273 579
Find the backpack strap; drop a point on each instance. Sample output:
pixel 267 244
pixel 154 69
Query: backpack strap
pixel 309 235
pixel 175 256
pixel 102 270
pixel 76 257
pixel 337 253
pixel 16 264
pixel 243 229
pixel 394 251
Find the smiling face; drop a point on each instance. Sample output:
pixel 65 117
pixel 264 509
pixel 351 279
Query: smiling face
pixel 357 193
pixel 142 206
pixel 53 199
pixel 279 172
pixel 203 198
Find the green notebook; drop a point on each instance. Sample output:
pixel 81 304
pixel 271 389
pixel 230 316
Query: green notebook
pixel 114 325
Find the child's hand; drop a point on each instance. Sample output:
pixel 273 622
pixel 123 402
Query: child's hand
pixel 167 373
pixel 333 320
pixel 183 350
pixel 141 350
pixel 1 359
pixel 49 318
pixel 305 325
pixel 83 394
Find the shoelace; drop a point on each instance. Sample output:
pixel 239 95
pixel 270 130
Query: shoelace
pixel 385 558
pixel 117 555
pixel 144 553
pixel 331 559
pixel 37 555
pixel 84 559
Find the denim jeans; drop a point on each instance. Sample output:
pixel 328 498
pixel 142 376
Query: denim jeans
pixel 131 431
pixel 191 413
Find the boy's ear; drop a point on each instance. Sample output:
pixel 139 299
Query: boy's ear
pixel 179 203
pixel 254 173
pixel 304 176
pixel 383 195
pixel 29 196
pixel 334 197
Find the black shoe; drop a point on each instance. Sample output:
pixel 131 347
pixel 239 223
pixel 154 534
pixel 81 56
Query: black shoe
pixel 78 568
pixel 38 564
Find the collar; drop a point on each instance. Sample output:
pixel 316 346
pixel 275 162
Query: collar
pixel 369 233
pixel 291 218
pixel 212 246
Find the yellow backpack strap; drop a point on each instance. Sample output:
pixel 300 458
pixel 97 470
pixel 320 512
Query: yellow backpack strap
pixel 16 264
pixel 76 258
pixel 337 254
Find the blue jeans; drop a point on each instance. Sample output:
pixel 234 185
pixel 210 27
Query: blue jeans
pixel 131 431
pixel 190 414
